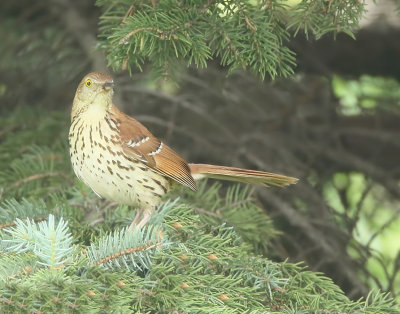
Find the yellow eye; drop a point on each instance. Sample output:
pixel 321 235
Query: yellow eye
pixel 88 83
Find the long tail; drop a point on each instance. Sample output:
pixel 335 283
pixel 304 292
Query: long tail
pixel 266 179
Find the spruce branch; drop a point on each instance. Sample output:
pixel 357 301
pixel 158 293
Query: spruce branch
pixel 131 249
pixel 237 209
pixel 319 17
pixel 12 209
pixel 51 243
pixel 240 34
pixel 269 278
pixel 202 268
pixel 28 172
pixel 15 266
pixel 203 261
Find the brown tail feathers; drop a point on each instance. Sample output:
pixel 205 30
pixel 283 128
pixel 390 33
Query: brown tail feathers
pixel 266 179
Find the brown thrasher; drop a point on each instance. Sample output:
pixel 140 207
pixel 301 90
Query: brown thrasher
pixel 122 161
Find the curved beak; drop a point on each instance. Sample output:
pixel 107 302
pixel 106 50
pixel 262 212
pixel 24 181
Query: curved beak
pixel 108 85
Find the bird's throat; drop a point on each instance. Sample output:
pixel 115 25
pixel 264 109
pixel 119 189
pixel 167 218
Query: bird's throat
pixel 97 111
pixel 93 110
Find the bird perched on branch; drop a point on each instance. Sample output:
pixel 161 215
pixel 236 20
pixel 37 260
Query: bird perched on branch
pixel 120 160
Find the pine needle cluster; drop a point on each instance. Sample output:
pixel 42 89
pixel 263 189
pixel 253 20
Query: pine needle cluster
pixel 251 35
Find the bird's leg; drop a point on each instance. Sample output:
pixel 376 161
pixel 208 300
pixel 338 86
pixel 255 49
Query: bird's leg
pixel 145 219
pixel 135 220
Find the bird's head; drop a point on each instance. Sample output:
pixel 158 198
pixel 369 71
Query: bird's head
pixel 94 91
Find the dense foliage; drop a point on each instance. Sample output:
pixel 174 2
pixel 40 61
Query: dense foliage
pixel 198 253
pixel 217 250
pixel 240 34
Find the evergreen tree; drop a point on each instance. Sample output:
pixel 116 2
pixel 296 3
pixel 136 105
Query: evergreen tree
pixel 197 254
pixel 64 249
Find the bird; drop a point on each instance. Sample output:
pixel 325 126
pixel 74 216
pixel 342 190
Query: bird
pixel 122 161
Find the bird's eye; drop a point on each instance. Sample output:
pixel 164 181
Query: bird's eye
pixel 88 83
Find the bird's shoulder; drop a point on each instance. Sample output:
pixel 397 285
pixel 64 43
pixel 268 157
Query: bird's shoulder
pixel 139 143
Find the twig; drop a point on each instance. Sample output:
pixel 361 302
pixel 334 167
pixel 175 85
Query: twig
pixel 35 177
pixel 135 31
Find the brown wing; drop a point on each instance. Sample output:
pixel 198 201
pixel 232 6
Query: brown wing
pixel 140 144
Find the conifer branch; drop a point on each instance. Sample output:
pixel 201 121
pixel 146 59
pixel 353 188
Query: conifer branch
pixel 34 177
pixel 11 209
pixel 184 260
pixel 240 34
pixel 13 223
pixel 51 243
pixel 130 249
